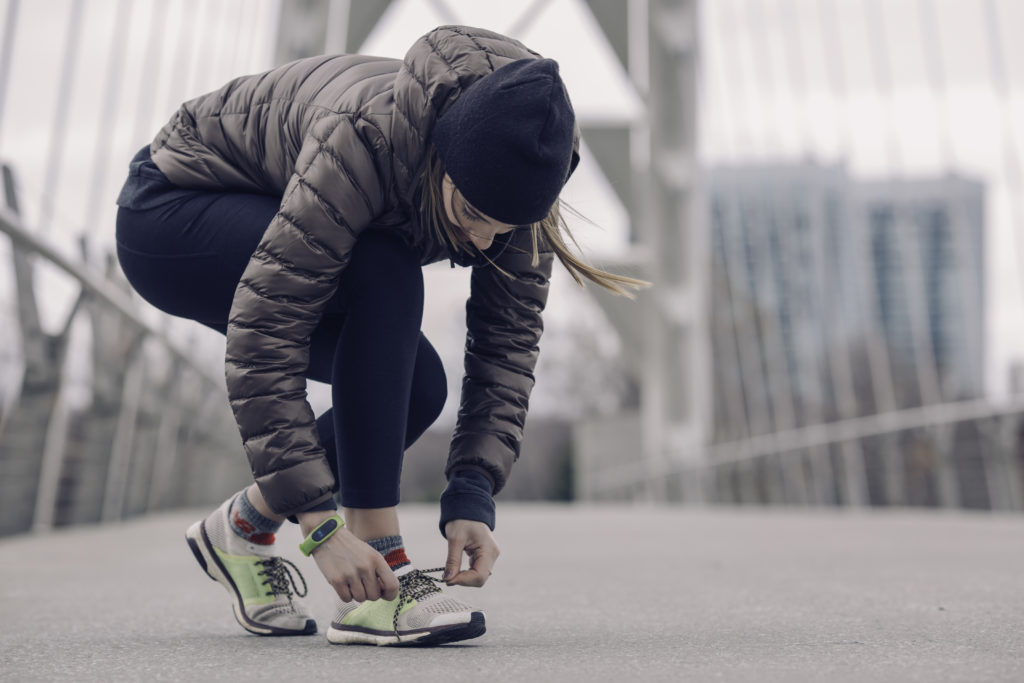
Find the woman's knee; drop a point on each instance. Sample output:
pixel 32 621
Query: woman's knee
pixel 430 397
pixel 429 392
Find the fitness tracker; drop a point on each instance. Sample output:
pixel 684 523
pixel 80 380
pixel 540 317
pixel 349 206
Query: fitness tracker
pixel 321 533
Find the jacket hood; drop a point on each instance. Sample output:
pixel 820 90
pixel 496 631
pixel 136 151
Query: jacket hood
pixel 435 72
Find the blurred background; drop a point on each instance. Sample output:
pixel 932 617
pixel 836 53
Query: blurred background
pixel 827 194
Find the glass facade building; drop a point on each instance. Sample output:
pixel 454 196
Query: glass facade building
pixel 833 298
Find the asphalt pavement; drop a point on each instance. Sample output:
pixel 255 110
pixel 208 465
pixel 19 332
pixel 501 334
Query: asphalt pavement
pixel 580 593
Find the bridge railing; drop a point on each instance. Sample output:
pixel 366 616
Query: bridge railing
pixel 155 431
pixel 106 409
pixel 960 455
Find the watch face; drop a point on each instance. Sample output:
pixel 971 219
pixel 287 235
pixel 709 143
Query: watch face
pixel 321 532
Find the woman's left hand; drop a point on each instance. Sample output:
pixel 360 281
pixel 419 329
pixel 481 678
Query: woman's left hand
pixel 476 540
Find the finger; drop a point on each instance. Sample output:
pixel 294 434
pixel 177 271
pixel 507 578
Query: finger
pixel 481 566
pixel 471 577
pixel 386 592
pixel 368 578
pixel 483 563
pixel 388 582
pixel 451 567
pixel 358 592
pixel 343 592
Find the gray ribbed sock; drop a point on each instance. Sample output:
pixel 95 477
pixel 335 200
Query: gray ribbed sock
pixel 393 550
pixel 247 522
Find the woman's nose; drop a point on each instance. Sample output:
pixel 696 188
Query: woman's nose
pixel 481 242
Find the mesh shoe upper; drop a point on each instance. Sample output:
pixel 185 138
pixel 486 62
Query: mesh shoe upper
pixel 420 605
pixel 264 582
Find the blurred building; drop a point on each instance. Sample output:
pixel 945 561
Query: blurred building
pixel 927 247
pixel 770 293
pixel 833 298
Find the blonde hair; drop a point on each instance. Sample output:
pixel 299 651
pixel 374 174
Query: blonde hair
pixel 551 228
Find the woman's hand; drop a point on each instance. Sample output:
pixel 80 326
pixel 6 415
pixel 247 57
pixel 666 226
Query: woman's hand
pixel 354 569
pixel 474 539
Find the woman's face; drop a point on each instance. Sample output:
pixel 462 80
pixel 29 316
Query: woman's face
pixel 480 230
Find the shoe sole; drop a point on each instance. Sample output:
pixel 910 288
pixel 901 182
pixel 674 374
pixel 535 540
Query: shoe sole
pixel 348 635
pixel 202 549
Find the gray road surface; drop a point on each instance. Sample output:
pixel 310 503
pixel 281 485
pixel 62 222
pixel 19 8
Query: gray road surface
pixel 579 594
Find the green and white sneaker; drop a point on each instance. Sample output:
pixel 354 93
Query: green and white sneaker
pixel 420 615
pixel 266 598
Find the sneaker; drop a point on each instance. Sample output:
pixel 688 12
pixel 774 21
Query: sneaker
pixel 266 598
pixel 420 615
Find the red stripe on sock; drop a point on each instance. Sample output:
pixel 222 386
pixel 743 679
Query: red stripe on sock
pixel 242 524
pixel 397 557
pixel 246 530
pixel 262 539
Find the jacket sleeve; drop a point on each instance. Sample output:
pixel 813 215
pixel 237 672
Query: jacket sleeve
pixel 503 321
pixel 333 195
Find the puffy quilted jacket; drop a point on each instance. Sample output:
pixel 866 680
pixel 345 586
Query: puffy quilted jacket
pixel 343 140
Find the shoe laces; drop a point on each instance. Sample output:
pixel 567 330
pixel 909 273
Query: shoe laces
pixel 280 578
pixel 414 586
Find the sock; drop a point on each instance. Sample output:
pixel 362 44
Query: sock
pixel 393 550
pixel 247 522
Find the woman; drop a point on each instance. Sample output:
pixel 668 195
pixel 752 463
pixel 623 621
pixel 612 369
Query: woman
pixel 293 211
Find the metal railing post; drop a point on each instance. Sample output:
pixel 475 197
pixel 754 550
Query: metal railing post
pixel 894 470
pixel 854 482
pixel 166 451
pixel 27 424
pixel 946 480
pixel 1003 471
pixel 822 474
pixel 124 435
pixel 55 442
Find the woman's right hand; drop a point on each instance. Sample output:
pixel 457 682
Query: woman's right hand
pixel 354 569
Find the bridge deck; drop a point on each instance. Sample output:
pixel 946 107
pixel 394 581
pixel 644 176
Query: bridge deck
pixel 580 593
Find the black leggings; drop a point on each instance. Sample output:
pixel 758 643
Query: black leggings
pixel 186 257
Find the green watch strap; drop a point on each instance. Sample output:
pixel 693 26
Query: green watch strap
pixel 321 533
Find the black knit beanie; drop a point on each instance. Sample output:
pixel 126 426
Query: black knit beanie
pixel 507 141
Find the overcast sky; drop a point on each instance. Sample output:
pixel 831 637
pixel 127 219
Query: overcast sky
pixel 836 80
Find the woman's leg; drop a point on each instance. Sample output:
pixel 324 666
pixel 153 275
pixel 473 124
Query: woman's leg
pixel 388 384
pixel 427 395
pixel 186 258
